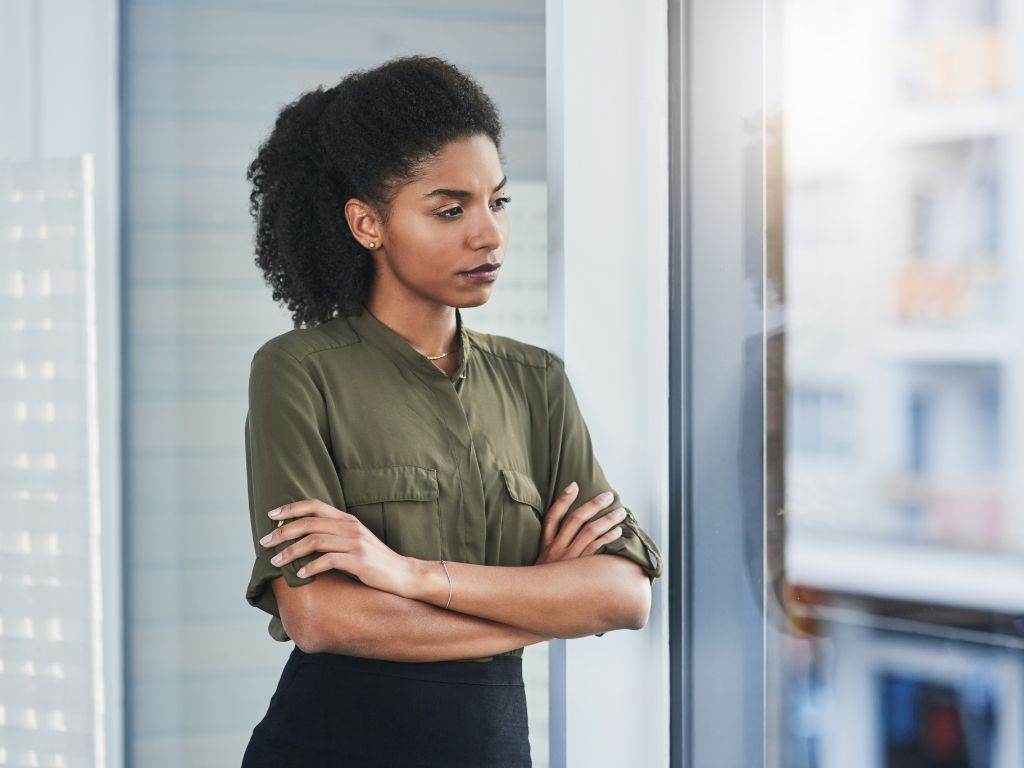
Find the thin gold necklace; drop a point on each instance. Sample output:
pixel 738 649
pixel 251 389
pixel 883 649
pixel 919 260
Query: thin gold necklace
pixel 438 357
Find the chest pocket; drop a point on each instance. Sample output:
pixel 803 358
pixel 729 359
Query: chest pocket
pixel 399 505
pixel 522 513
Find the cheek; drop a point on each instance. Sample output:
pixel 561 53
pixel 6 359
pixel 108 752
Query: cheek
pixel 425 253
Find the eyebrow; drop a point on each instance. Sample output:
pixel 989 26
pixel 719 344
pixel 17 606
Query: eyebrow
pixel 461 193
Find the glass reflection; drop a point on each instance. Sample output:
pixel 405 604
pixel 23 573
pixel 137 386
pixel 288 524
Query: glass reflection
pixel 903 562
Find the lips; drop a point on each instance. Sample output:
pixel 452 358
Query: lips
pixel 481 274
pixel 483 268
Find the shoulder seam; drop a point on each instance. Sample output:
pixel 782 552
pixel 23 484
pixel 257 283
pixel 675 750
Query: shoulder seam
pixel 492 353
pixel 487 350
pixel 283 349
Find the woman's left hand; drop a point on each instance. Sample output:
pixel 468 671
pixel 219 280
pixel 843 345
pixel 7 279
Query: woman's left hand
pixel 347 544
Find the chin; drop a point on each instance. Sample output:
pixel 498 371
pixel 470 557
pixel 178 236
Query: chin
pixel 476 299
pixel 478 303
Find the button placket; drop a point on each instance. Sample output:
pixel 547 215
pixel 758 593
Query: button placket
pixel 468 518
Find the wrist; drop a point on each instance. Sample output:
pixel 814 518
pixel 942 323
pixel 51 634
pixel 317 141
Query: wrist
pixel 429 583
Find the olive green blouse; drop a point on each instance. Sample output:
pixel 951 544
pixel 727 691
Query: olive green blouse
pixel 461 468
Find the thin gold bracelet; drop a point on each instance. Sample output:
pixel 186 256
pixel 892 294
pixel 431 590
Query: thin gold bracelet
pixel 445 564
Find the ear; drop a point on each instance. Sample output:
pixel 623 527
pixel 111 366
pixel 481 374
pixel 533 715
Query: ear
pixel 363 222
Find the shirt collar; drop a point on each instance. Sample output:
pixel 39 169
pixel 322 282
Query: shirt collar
pixel 382 336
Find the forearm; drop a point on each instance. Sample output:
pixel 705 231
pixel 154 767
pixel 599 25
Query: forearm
pixel 568 598
pixel 357 620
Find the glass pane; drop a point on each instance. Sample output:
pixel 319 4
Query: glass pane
pixel 901 576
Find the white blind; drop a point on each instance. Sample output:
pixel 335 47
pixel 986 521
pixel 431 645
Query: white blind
pixel 51 699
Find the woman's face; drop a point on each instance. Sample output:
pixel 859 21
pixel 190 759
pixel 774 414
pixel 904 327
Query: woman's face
pixel 449 220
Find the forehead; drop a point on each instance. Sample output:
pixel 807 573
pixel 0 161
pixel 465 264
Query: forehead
pixel 471 164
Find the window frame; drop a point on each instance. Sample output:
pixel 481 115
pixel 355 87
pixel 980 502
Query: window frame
pixel 720 638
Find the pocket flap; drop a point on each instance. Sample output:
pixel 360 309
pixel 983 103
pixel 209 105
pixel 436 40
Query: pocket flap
pixel 521 488
pixel 398 483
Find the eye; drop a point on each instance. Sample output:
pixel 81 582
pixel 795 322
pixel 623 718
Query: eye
pixel 454 213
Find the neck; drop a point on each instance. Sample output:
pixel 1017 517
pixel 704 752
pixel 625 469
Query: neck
pixel 429 328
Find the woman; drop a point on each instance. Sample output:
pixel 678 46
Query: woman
pixel 413 480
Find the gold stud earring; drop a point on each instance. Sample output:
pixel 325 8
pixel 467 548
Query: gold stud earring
pixel 373 245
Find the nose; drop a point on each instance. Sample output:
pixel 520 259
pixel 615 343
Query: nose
pixel 489 232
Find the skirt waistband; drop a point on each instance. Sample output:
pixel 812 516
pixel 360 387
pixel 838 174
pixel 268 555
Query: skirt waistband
pixel 501 670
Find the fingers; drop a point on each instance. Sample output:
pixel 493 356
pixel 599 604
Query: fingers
pixel 600 541
pixel 328 562
pixel 574 521
pixel 597 529
pixel 553 518
pixel 313 507
pixel 286 532
pixel 314 542
pixel 303 526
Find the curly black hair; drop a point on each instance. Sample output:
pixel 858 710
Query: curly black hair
pixel 362 138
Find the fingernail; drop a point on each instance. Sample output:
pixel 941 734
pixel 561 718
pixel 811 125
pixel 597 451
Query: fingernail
pixel 571 487
pixel 619 513
pixel 274 512
pixel 606 496
pixel 302 572
pixel 266 539
pixel 275 559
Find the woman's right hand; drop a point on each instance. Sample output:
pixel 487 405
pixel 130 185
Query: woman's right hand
pixel 564 537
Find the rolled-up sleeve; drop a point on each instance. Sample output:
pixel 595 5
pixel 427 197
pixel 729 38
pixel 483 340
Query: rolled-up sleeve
pixel 572 458
pixel 288 458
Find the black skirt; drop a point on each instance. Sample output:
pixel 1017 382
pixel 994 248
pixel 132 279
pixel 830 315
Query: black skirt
pixel 338 711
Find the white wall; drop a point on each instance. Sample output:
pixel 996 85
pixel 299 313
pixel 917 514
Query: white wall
pixel 608 289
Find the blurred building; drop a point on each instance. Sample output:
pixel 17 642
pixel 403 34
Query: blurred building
pixel 904 511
